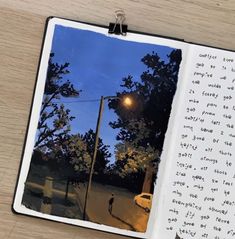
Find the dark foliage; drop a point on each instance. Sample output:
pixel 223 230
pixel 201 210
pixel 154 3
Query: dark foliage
pixel 153 96
pixel 103 154
pixel 55 119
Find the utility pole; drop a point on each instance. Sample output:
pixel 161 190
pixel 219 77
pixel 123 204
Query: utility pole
pixel 127 102
pixel 94 154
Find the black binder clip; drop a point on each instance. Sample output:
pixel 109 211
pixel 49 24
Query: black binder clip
pixel 118 27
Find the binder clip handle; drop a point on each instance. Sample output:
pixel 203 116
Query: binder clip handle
pixel 118 27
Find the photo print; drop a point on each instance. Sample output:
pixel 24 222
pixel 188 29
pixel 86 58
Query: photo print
pixel 97 128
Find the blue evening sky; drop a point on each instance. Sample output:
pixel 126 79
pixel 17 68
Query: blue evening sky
pixel 97 65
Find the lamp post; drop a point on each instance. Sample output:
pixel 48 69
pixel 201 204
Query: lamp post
pixel 127 101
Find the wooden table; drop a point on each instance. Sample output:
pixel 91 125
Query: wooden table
pixel 210 22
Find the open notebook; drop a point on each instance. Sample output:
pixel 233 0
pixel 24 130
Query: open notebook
pixel 131 135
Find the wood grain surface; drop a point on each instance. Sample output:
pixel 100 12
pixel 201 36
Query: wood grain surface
pixel 210 22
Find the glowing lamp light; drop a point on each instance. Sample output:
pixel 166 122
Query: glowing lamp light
pixel 127 101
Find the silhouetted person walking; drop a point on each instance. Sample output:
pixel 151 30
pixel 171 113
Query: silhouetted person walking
pixel 111 200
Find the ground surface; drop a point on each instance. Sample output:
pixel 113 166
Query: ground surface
pixel 125 213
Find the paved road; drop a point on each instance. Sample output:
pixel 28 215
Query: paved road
pixel 125 214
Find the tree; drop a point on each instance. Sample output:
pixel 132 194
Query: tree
pixel 134 157
pixel 72 159
pixel 53 124
pixel 54 118
pixel 153 95
pixel 72 155
pixel 103 154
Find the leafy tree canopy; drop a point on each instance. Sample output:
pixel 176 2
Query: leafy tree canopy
pixel 152 95
pixel 142 127
pixel 103 154
pixel 54 117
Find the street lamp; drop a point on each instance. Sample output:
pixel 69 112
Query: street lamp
pixel 127 102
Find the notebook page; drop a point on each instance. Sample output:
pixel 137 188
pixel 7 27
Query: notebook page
pixel 199 196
